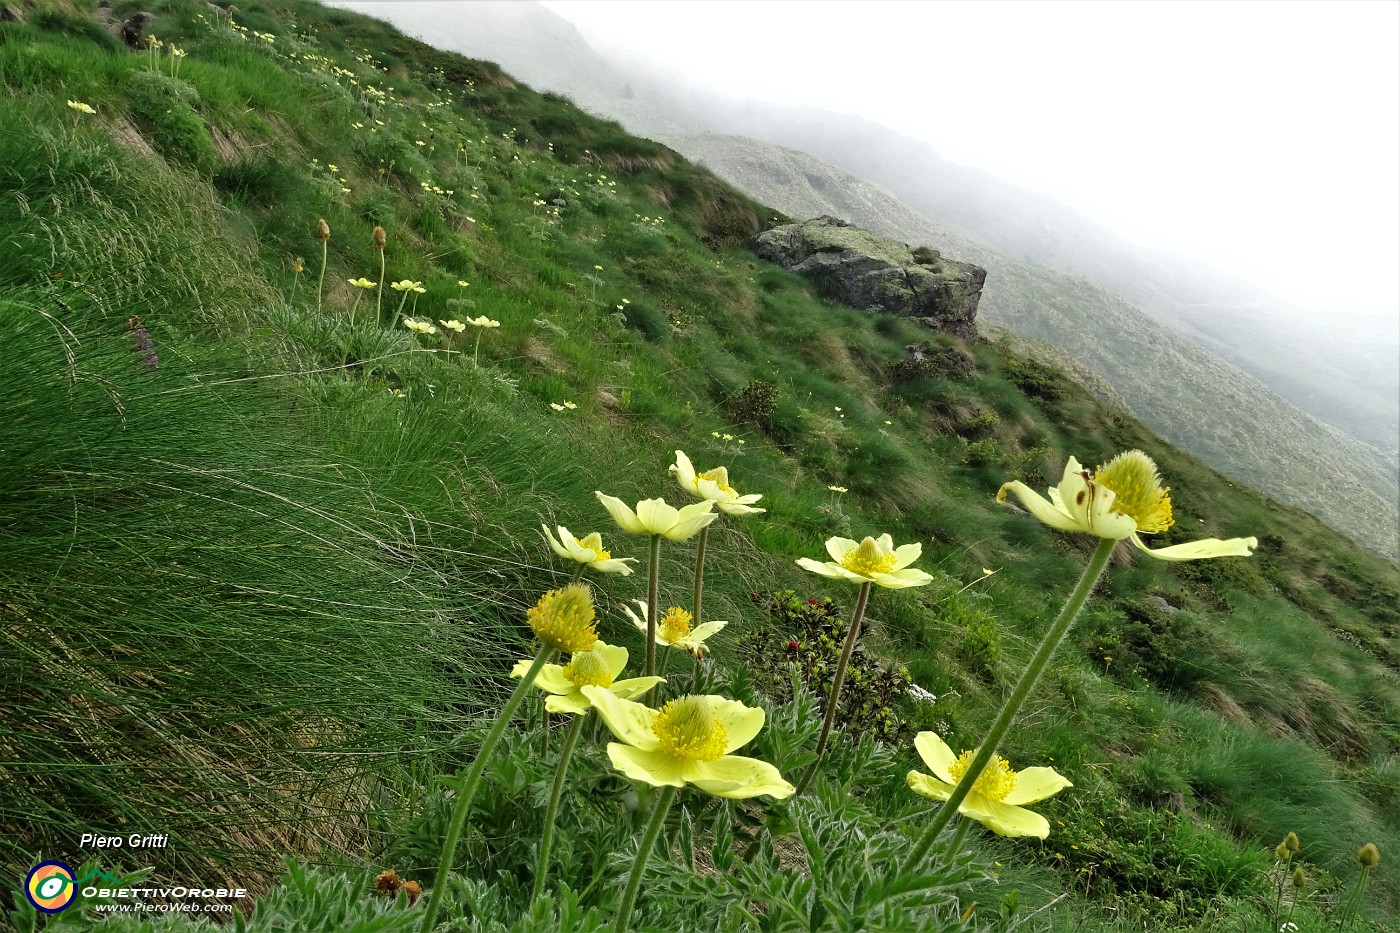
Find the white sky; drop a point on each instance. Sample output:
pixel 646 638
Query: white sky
pixel 1261 136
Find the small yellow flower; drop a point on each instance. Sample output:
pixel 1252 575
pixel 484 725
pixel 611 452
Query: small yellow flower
pixel 556 406
pixel 361 282
pixel 564 619
pixel 406 285
pixel 688 741
pixel 419 327
pixel 453 325
pixel 673 629
pixel 1122 498
pixel 463 282
pixel 873 560
pixel 999 794
pixel 588 551
pixel 838 489
pixel 596 667
pixel 81 107
pixel 714 486
pixel 483 321
pixel 298 265
pixel 655 517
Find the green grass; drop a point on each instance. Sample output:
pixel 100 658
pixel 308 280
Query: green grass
pixel 261 596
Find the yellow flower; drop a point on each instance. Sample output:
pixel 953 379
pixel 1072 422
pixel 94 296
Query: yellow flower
pixel 556 406
pixel 714 486
pixel 483 321
pixel 589 551
pixel 655 517
pixel 407 285
pixel 999 794
pixel 673 629
pixel 1121 499
pixel 597 667
pixel 874 560
pixel 361 282
pixel 453 325
pixel 81 107
pixel 463 283
pixel 688 741
pixel 838 489
pixel 564 619
pixel 419 327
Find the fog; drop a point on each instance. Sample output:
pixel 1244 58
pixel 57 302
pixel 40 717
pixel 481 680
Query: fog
pixel 1260 137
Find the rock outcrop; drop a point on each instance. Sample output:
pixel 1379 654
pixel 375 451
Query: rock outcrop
pixel 874 273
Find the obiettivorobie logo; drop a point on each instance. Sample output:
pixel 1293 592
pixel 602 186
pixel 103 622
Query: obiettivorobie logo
pixel 51 887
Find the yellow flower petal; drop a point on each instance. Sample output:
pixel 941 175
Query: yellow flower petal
pixel 1004 819
pixel 936 754
pixel 1035 784
pixel 650 767
pixel 572 703
pixel 626 519
pixel 635 686
pixel 928 786
pixel 630 722
pixel 1199 550
pixel 656 516
pixel 551 679
pixel 615 656
pixel 838 548
pixel 738 778
pixel 741 722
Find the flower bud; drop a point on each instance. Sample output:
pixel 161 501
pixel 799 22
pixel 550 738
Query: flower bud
pixel 1291 840
pixel 1281 851
pixel 379 238
pixel 1299 879
pixel 1369 856
pixel 323 230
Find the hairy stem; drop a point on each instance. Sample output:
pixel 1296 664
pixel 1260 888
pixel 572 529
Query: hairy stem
pixel 1039 661
pixel 836 682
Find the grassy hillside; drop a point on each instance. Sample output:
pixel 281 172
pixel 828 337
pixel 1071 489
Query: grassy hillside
pixel 266 552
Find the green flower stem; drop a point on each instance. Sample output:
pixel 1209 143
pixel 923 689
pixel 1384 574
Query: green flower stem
pixel 379 293
pixel 402 301
pixel 652 596
pixel 468 791
pixel 578 574
pixel 955 845
pixel 699 574
pixel 634 880
pixel 552 811
pixel 1352 908
pixel 476 346
pixel 320 283
pixel 695 677
pixel 1032 673
pixel 836 682
pixel 359 293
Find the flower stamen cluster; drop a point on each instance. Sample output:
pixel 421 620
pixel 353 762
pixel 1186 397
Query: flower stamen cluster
pixel 688 729
pixel 564 619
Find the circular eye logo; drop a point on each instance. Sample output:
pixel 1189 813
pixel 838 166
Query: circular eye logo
pixel 50 886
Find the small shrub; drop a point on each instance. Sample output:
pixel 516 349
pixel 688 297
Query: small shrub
pixel 754 403
pixel 807 636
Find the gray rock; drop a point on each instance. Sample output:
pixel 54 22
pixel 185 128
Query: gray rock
pixel 874 273
pixel 1160 604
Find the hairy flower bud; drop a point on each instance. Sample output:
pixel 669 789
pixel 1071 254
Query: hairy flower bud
pixel 1369 856
pixel 323 230
pixel 380 238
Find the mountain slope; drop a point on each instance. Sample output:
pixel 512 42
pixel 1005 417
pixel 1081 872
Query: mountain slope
pixel 1190 394
pixel 1176 385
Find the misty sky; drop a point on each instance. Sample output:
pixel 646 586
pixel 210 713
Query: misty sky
pixel 1260 136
